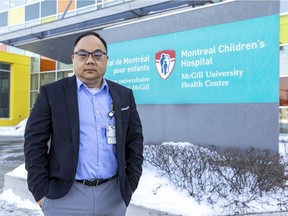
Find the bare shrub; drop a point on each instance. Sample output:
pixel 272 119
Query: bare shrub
pixel 235 177
pixel 258 171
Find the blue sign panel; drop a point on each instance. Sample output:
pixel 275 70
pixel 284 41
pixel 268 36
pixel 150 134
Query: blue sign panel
pixel 230 63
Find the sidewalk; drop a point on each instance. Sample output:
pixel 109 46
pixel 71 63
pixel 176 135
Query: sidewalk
pixel 6 139
pixel 12 156
pixel 19 187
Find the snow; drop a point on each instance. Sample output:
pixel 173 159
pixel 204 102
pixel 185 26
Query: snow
pixel 19 172
pixel 154 191
pixel 17 130
pixel 11 197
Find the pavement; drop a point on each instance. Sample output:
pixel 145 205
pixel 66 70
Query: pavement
pixel 11 156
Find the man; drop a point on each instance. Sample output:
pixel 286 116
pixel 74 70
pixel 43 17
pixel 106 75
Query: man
pixel 93 161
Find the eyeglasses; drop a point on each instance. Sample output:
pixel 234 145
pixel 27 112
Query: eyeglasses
pixel 84 55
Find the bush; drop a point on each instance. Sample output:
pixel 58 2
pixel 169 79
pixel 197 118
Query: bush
pixel 236 178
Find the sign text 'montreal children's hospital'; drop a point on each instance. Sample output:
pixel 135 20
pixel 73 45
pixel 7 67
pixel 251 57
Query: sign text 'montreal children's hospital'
pixel 229 63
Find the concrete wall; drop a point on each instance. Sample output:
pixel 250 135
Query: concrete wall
pixel 242 125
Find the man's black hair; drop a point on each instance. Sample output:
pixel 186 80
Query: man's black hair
pixel 91 33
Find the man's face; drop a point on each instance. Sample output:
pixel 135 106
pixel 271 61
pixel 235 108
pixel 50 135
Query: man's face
pixel 91 70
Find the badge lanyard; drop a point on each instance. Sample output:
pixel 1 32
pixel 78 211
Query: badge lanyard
pixel 111 114
pixel 110 130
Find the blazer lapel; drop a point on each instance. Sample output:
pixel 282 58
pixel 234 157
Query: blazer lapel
pixel 70 89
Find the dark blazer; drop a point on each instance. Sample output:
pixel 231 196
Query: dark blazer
pixel 52 167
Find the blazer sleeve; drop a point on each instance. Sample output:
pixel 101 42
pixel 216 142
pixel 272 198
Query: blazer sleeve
pixel 37 135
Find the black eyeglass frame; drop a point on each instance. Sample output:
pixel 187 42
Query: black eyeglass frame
pixel 86 54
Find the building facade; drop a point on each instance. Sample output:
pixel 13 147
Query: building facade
pixel 14 86
pixel 283 91
pixel 45 70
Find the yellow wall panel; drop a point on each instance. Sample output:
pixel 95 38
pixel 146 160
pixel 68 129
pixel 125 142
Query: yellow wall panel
pixel 19 87
pixel 16 16
pixel 48 19
pixel 284 29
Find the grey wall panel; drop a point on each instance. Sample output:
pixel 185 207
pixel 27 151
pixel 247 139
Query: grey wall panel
pixel 241 125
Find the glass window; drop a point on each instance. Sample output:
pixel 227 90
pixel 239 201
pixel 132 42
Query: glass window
pixel 85 3
pixel 34 84
pixel 62 66
pixel 283 91
pixel 62 74
pixel 283 6
pixel 108 3
pixel 16 3
pixel 4 5
pixel 99 4
pixel 32 12
pixel 31 1
pixel 35 65
pixel 283 120
pixel 46 78
pixel 33 96
pixel 5 67
pixel 4 90
pixel 3 19
pixel 283 60
pixel 48 8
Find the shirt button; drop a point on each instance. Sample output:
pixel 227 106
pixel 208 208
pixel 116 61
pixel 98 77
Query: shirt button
pixel 97 112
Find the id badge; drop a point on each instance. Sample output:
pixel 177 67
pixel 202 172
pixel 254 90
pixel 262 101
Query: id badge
pixel 111 134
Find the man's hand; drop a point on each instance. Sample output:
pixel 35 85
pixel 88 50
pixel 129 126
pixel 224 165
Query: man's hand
pixel 40 202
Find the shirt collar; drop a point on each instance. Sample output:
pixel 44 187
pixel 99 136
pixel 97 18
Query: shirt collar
pixel 80 84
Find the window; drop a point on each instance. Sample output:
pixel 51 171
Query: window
pixel 283 120
pixel 4 5
pixel 46 78
pixel 3 19
pixel 62 66
pixel 16 3
pixel 62 74
pixel 4 90
pixel 284 91
pixel 48 8
pixel 31 1
pixel 34 83
pixel 32 12
pixel 85 3
pixel 33 97
pixel 283 60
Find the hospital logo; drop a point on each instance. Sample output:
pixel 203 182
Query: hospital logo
pixel 165 61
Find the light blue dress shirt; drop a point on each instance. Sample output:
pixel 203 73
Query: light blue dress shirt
pixel 97 158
